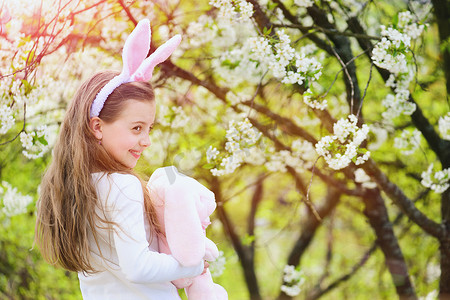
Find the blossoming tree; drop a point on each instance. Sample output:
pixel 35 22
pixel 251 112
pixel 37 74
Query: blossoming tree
pixel 297 114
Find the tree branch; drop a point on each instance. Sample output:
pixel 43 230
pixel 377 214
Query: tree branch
pixel 256 200
pixel 402 201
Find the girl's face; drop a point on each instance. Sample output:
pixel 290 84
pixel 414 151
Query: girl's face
pixel 126 137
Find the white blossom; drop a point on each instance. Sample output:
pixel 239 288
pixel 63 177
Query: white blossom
pixel 292 281
pixel 218 266
pixel 211 154
pixel 202 30
pixel 173 116
pixel 276 162
pixel 181 119
pixel 14 202
pixel 396 37
pixel 438 182
pixel 408 25
pixel 7 120
pixel 391 54
pixel 313 103
pixel 364 179
pixel 233 10
pixel 433 295
pixel 341 148
pixel 283 61
pixel 255 156
pixel 292 291
pixel 35 143
pixel 306 151
pixel 408 141
pixel 362 158
pixel 381 135
pixel 242 140
pixel 382 56
pixel 444 126
pixel 304 3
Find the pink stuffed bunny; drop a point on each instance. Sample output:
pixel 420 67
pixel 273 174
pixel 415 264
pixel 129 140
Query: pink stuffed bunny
pixel 183 207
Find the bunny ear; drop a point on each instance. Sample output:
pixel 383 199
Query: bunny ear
pixel 136 47
pixel 144 72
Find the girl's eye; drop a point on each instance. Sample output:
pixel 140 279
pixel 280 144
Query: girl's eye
pixel 138 128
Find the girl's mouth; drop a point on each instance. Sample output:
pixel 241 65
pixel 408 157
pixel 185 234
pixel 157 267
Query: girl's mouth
pixel 136 154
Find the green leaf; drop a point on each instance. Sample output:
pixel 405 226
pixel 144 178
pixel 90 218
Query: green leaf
pixel 27 85
pixel 42 140
pixel 208 166
pixel 267 31
pixel 271 6
pixel 248 239
pixel 395 21
pixel 230 64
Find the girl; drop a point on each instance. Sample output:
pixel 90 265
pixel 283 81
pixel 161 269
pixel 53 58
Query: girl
pixel 94 215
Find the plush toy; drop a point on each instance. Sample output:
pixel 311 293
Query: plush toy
pixel 183 207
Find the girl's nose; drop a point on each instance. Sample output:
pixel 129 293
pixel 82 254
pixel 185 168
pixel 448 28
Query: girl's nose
pixel 145 141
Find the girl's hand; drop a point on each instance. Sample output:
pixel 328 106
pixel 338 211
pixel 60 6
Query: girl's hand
pixel 206 267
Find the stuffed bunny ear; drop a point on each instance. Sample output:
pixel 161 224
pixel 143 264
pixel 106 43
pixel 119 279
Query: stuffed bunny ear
pixel 136 47
pixel 144 73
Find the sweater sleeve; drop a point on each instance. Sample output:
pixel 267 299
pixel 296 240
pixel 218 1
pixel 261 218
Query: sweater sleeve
pixel 138 263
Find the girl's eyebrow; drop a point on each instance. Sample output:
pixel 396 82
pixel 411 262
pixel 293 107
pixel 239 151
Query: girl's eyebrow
pixel 142 122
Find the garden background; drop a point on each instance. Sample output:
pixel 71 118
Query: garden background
pixel 322 127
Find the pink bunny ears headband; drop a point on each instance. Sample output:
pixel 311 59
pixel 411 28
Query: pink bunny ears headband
pixel 136 67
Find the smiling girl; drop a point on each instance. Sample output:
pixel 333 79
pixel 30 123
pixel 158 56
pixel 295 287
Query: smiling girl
pixel 94 215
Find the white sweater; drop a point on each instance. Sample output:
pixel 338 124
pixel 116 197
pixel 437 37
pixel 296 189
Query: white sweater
pixel 132 268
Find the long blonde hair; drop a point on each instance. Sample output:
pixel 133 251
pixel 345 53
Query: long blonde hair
pixel 66 206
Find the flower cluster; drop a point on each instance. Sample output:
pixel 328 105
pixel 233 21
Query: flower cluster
pixel 35 143
pixel 380 134
pixel 173 116
pixel 301 156
pixel 408 25
pixel 14 202
pixel 408 141
pixel 237 65
pixel 292 281
pixel 304 3
pixel 383 53
pixel 364 179
pixel 434 294
pixel 314 103
pixel 438 182
pixel 234 10
pixel 341 148
pixel 391 54
pixel 242 140
pixel 283 61
pixel 6 119
pixel 397 104
pixel 218 266
pixel 444 126
pixel 201 31
pixel 279 160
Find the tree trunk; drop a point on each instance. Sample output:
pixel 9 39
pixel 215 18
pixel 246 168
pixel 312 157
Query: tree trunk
pixel 442 13
pixel 309 228
pixel 244 253
pixel 376 212
pixel 444 283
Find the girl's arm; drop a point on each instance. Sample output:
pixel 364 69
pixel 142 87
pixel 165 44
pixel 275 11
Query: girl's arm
pixel 136 260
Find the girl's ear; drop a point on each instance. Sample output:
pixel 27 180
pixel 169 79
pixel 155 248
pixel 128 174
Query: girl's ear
pixel 96 126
